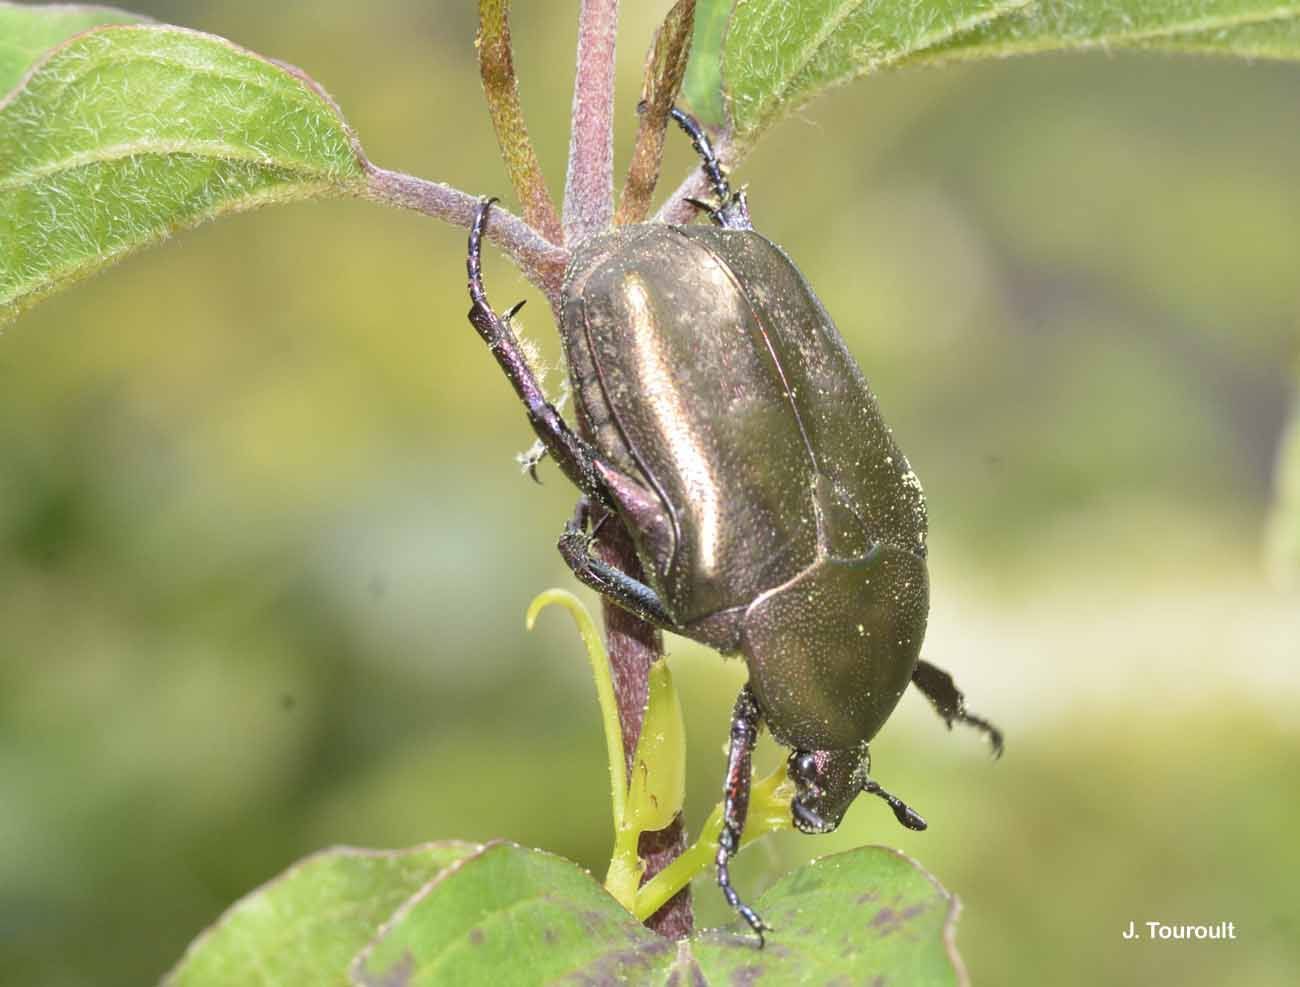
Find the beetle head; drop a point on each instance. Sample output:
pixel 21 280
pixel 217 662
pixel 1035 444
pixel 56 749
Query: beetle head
pixel 826 783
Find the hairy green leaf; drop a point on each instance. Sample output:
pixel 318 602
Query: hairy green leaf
pixel 776 56
pixel 756 61
pixel 859 917
pixel 461 913
pixel 28 32
pixel 307 925
pixel 702 85
pixel 866 916
pixel 1237 27
pixel 124 135
pixel 510 912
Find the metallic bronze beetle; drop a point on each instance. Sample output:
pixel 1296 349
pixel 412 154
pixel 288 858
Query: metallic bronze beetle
pixel 774 516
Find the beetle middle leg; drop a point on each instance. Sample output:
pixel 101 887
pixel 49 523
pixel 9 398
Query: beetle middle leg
pixel 745 722
pixel 938 687
pixel 572 454
pixel 614 584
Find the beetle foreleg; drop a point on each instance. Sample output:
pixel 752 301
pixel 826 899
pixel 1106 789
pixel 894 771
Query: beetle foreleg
pixel 948 701
pixel 573 455
pixel 745 721
pixel 614 584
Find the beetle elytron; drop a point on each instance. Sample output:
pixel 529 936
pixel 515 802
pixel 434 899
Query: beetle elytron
pixel 735 438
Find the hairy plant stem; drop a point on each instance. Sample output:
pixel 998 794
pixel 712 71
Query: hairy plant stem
pixel 662 82
pixel 589 185
pixel 541 261
pixel 677 210
pixel 501 88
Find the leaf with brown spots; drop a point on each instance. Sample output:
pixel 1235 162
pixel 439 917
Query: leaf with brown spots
pixel 467 914
pixel 867 916
pixel 306 925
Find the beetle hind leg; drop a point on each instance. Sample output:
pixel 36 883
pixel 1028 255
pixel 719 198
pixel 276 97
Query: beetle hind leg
pixel 938 687
pixel 745 722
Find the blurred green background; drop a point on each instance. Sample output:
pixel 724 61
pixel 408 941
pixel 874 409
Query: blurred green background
pixel 264 552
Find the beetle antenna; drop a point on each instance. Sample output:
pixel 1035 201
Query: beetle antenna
pixel 903 812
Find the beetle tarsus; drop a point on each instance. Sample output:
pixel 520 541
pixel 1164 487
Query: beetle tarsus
pixel 704 148
pixel 903 812
pixel 938 687
pixel 732 212
pixel 745 722
pixel 750 916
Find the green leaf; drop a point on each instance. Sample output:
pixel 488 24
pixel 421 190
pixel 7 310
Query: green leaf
pixel 756 61
pixel 778 55
pixel 1237 27
pixel 870 915
pixel 510 915
pixel 1284 526
pixel 455 913
pixel 702 85
pixel 124 135
pixel 658 785
pixel 28 32
pixel 306 926
pixel 525 917
pixel 1273 39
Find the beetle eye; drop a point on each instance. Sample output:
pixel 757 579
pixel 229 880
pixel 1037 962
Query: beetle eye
pixel 803 766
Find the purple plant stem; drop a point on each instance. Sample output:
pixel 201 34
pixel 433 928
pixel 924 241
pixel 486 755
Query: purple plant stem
pixel 588 209
pixel 589 185
pixel 676 210
pixel 541 261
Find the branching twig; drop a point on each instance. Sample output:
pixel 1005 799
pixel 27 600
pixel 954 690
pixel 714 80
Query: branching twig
pixel 589 187
pixel 541 261
pixel 677 210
